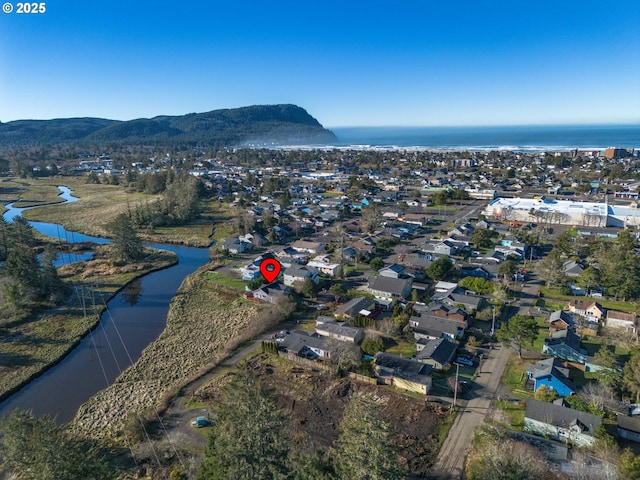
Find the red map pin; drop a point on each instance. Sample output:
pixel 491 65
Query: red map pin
pixel 270 269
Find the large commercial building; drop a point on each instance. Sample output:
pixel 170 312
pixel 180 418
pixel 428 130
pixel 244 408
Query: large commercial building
pixel 563 212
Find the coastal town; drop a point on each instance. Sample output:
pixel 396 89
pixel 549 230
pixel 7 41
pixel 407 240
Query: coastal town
pixel 496 288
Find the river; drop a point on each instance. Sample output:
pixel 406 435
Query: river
pixel 135 317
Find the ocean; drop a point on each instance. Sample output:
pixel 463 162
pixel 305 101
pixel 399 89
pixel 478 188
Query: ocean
pixel 515 138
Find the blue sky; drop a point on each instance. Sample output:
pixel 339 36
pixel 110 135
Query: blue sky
pixel 349 63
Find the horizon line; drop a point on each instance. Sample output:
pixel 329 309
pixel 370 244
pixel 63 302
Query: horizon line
pixel 635 123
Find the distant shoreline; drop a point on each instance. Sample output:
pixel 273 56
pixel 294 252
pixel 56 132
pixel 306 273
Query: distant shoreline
pixel 526 139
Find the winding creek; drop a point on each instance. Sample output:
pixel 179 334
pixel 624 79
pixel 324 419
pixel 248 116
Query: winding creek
pixel 135 317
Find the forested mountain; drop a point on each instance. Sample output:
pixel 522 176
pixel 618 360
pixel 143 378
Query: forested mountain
pixel 254 125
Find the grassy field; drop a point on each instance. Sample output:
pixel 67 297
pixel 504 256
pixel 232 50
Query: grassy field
pixel 100 203
pixel 611 304
pixel 28 345
pixel 219 278
pixel 28 192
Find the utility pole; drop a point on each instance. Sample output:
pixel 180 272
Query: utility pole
pixel 493 322
pixel 455 387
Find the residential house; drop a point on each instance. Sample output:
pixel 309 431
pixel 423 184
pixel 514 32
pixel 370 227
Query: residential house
pixel 235 245
pixel 364 249
pixel 572 268
pixel 252 271
pixel 288 252
pixel 444 289
pixel 305 345
pixel 353 307
pixel 388 290
pixel 403 373
pixel 419 219
pixel 272 293
pixel 306 246
pixel 444 247
pixel 324 266
pixel 344 333
pixel 253 239
pixel 464 230
pixel 565 344
pixel 473 270
pixel 348 253
pixel 437 353
pixel 322 319
pixel 393 271
pixel 552 373
pixel 560 320
pixel 451 313
pixel 429 327
pixel 629 428
pixel 300 274
pixel 593 311
pixel 469 302
pixel 622 320
pixel 560 423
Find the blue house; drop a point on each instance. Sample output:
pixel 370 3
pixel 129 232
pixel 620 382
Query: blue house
pixel 565 344
pixel 553 374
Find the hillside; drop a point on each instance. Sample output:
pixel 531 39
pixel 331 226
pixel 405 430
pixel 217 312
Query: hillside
pixel 254 125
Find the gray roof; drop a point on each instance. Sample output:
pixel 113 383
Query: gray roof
pixel 471 301
pixel 389 285
pixel 551 366
pixel 355 304
pixel 566 317
pixel 435 326
pixel 403 367
pixel 567 337
pixel 561 416
pixel 342 330
pixel 296 341
pixel 441 350
pixel 632 424
pixel 546 367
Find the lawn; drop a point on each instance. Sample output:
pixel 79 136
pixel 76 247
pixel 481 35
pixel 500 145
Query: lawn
pixel 515 375
pixel 515 411
pixel 220 278
pixel 555 294
pixel 543 332
pixel 403 348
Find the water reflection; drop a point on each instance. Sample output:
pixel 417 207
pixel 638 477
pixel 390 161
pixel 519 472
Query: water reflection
pixel 131 293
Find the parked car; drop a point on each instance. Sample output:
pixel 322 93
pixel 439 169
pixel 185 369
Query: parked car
pixel 200 422
pixel 464 361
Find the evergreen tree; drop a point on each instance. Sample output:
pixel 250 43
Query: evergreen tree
pixel 363 448
pixel 127 246
pixel 38 449
pixel 440 269
pixel 248 440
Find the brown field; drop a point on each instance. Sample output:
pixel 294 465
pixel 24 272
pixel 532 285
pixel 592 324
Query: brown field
pixel 99 204
pixel 205 322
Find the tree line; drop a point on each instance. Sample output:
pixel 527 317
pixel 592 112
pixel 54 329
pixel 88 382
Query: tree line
pixel 180 201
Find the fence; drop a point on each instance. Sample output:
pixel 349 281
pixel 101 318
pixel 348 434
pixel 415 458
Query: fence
pixel 326 367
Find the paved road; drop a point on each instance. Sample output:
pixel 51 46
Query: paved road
pixel 452 455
